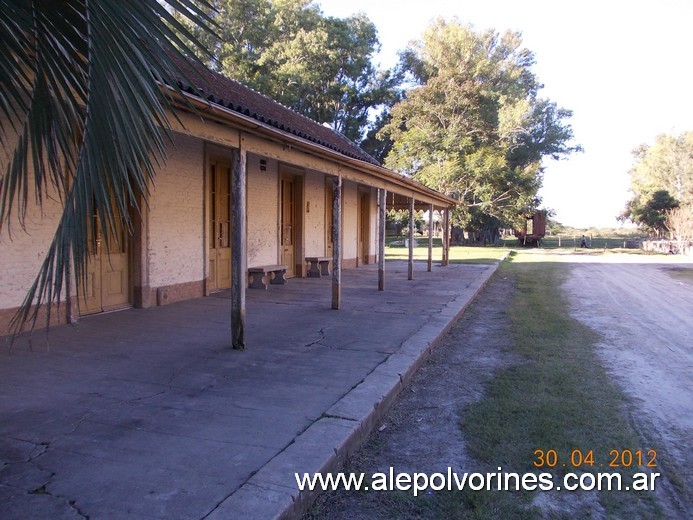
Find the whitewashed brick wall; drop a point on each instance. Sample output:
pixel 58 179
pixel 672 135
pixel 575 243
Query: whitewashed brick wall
pixel 22 250
pixel 373 248
pixel 350 220
pixel 263 189
pixel 176 216
pixel 314 213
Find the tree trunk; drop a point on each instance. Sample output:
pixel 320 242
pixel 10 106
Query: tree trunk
pixel 457 236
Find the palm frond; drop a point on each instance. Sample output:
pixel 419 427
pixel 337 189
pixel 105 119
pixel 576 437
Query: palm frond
pixel 84 115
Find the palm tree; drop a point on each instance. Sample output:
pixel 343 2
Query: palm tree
pixel 85 90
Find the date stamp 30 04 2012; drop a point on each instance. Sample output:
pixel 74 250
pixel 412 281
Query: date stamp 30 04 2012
pixel 625 458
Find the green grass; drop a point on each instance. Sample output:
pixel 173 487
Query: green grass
pixel 558 397
pixel 396 250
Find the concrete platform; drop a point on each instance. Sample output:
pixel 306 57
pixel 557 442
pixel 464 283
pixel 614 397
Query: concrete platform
pixel 148 414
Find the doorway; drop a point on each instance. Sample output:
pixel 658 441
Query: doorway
pixel 291 238
pixel 107 284
pixel 219 225
pixel 288 218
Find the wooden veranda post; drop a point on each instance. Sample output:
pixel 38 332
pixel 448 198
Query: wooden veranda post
pixel 238 249
pixel 382 195
pixel 411 240
pixel 337 243
pixel 430 238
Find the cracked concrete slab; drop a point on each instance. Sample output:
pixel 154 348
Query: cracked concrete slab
pixel 150 414
pixel 40 506
pixel 252 501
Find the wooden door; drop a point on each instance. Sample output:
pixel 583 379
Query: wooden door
pixel 219 225
pixel 287 215
pixel 364 228
pixel 108 274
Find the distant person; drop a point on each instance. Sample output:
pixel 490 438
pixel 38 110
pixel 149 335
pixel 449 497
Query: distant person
pixel 583 242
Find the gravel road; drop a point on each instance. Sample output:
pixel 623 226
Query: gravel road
pixel 643 308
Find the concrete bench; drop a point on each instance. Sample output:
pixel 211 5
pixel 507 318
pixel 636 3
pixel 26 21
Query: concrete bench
pixel 319 266
pixel 257 275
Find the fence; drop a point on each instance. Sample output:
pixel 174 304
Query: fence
pixel 673 247
pixel 592 242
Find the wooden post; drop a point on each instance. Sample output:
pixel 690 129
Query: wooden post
pixel 430 238
pixel 446 236
pixel 337 243
pixel 238 249
pixel 382 194
pixel 448 233
pixel 411 240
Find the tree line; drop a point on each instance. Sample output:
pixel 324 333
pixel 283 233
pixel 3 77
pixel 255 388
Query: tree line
pixel 661 186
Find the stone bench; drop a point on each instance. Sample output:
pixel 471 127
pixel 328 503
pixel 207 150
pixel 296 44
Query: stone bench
pixel 319 266
pixel 257 274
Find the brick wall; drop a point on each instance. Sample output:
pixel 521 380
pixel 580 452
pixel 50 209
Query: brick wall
pixel 314 213
pixel 373 247
pixel 349 222
pixel 176 217
pixel 22 250
pixel 263 189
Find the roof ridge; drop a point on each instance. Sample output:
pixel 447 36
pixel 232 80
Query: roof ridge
pixel 309 119
pixel 245 85
pixel 214 86
pixel 350 140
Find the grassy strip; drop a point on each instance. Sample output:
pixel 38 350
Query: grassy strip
pixel 557 397
pixel 458 254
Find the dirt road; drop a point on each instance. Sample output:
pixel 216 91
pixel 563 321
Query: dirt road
pixel 643 308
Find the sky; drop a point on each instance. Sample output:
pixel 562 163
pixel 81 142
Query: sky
pixel 625 69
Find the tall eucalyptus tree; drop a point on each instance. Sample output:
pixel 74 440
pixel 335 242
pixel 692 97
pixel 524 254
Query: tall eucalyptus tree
pixel 474 126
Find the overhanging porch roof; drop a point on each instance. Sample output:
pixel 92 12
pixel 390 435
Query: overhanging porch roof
pixel 238 106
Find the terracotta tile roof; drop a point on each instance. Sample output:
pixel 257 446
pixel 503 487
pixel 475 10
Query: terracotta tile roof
pixel 220 90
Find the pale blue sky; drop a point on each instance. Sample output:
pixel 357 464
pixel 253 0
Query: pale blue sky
pixel 625 68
